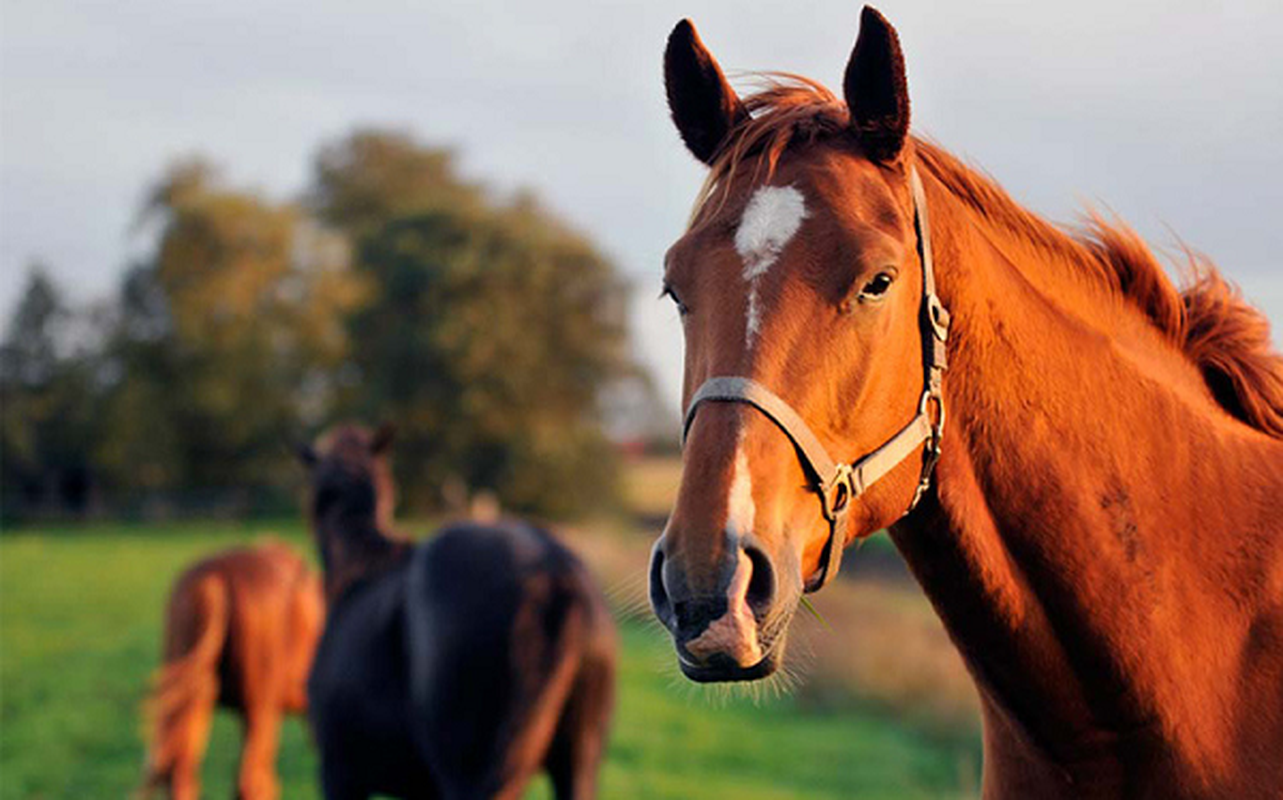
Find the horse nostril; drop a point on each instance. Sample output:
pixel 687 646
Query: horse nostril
pixel 761 584
pixel 659 600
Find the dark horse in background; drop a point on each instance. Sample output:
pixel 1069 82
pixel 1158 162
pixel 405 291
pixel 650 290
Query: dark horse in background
pixel 1098 519
pixel 454 668
pixel 240 630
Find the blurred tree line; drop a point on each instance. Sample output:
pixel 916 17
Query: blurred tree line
pixel 486 329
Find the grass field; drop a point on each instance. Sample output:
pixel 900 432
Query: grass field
pixel 80 613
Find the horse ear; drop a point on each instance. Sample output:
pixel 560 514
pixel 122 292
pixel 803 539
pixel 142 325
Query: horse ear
pixel 382 438
pixel 876 90
pixel 704 106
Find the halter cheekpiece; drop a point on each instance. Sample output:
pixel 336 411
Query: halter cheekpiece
pixel 838 483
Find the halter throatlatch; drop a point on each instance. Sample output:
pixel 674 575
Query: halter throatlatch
pixel 839 483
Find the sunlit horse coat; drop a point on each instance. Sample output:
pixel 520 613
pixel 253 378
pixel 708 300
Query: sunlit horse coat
pixel 240 630
pixel 1095 519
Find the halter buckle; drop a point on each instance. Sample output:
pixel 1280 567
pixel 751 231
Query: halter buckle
pixel 931 455
pixel 837 492
pixel 938 317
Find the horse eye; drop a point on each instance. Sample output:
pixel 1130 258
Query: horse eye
pixel 668 292
pixel 877 287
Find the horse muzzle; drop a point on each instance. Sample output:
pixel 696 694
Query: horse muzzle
pixel 723 634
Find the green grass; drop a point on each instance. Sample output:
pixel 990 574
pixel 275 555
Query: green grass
pixel 80 616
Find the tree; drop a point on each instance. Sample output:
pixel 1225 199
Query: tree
pixel 489 343
pixel 47 401
pixel 372 176
pixel 226 339
pixel 489 331
pixel 489 334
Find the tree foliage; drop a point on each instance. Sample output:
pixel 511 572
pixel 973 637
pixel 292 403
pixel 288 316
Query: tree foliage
pixel 47 394
pixel 371 176
pixel 488 342
pixel 224 333
pixel 491 329
pixel 488 330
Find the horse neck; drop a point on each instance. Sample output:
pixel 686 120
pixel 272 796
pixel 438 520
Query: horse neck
pixel 355 546
pixel 1094 515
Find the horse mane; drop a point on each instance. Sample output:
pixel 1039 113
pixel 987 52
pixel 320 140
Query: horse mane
pixel 1222 335
pixel 350 478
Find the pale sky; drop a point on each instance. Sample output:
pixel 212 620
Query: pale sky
pixel 1171 114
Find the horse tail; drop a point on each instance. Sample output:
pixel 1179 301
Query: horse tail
pixel 533 625
pixel 567 695
pixel 1229 340
pixel 184 690
pixel 553 669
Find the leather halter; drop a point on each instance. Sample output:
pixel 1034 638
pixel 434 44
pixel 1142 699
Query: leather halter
pixel 839 483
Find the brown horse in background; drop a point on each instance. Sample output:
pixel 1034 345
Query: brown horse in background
pixel 457 667
pixel 1097 519
pixel 241 628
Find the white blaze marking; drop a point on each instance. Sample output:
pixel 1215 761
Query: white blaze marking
pixel 771 218
pixel 735 632
pixel 739 503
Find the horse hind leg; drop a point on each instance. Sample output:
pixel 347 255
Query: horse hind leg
pixel 189 751
pixel 174 764
pixel 257 778
pixel 266 681
pixel 335 784
pixel 574 758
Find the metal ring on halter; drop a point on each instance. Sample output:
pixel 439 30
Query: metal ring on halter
pixel 837 493
pixel 931 455
pixel 938 316
pixel 925 400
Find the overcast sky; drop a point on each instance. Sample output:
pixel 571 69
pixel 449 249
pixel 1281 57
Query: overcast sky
pixel 1169 113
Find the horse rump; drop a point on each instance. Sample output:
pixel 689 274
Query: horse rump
pixel 512 652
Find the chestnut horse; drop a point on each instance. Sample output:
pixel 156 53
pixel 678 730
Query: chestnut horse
pixel 240 631
pixel 1097 517
pixel 455 668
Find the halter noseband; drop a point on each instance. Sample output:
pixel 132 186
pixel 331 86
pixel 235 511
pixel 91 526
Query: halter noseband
pixel 838 483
